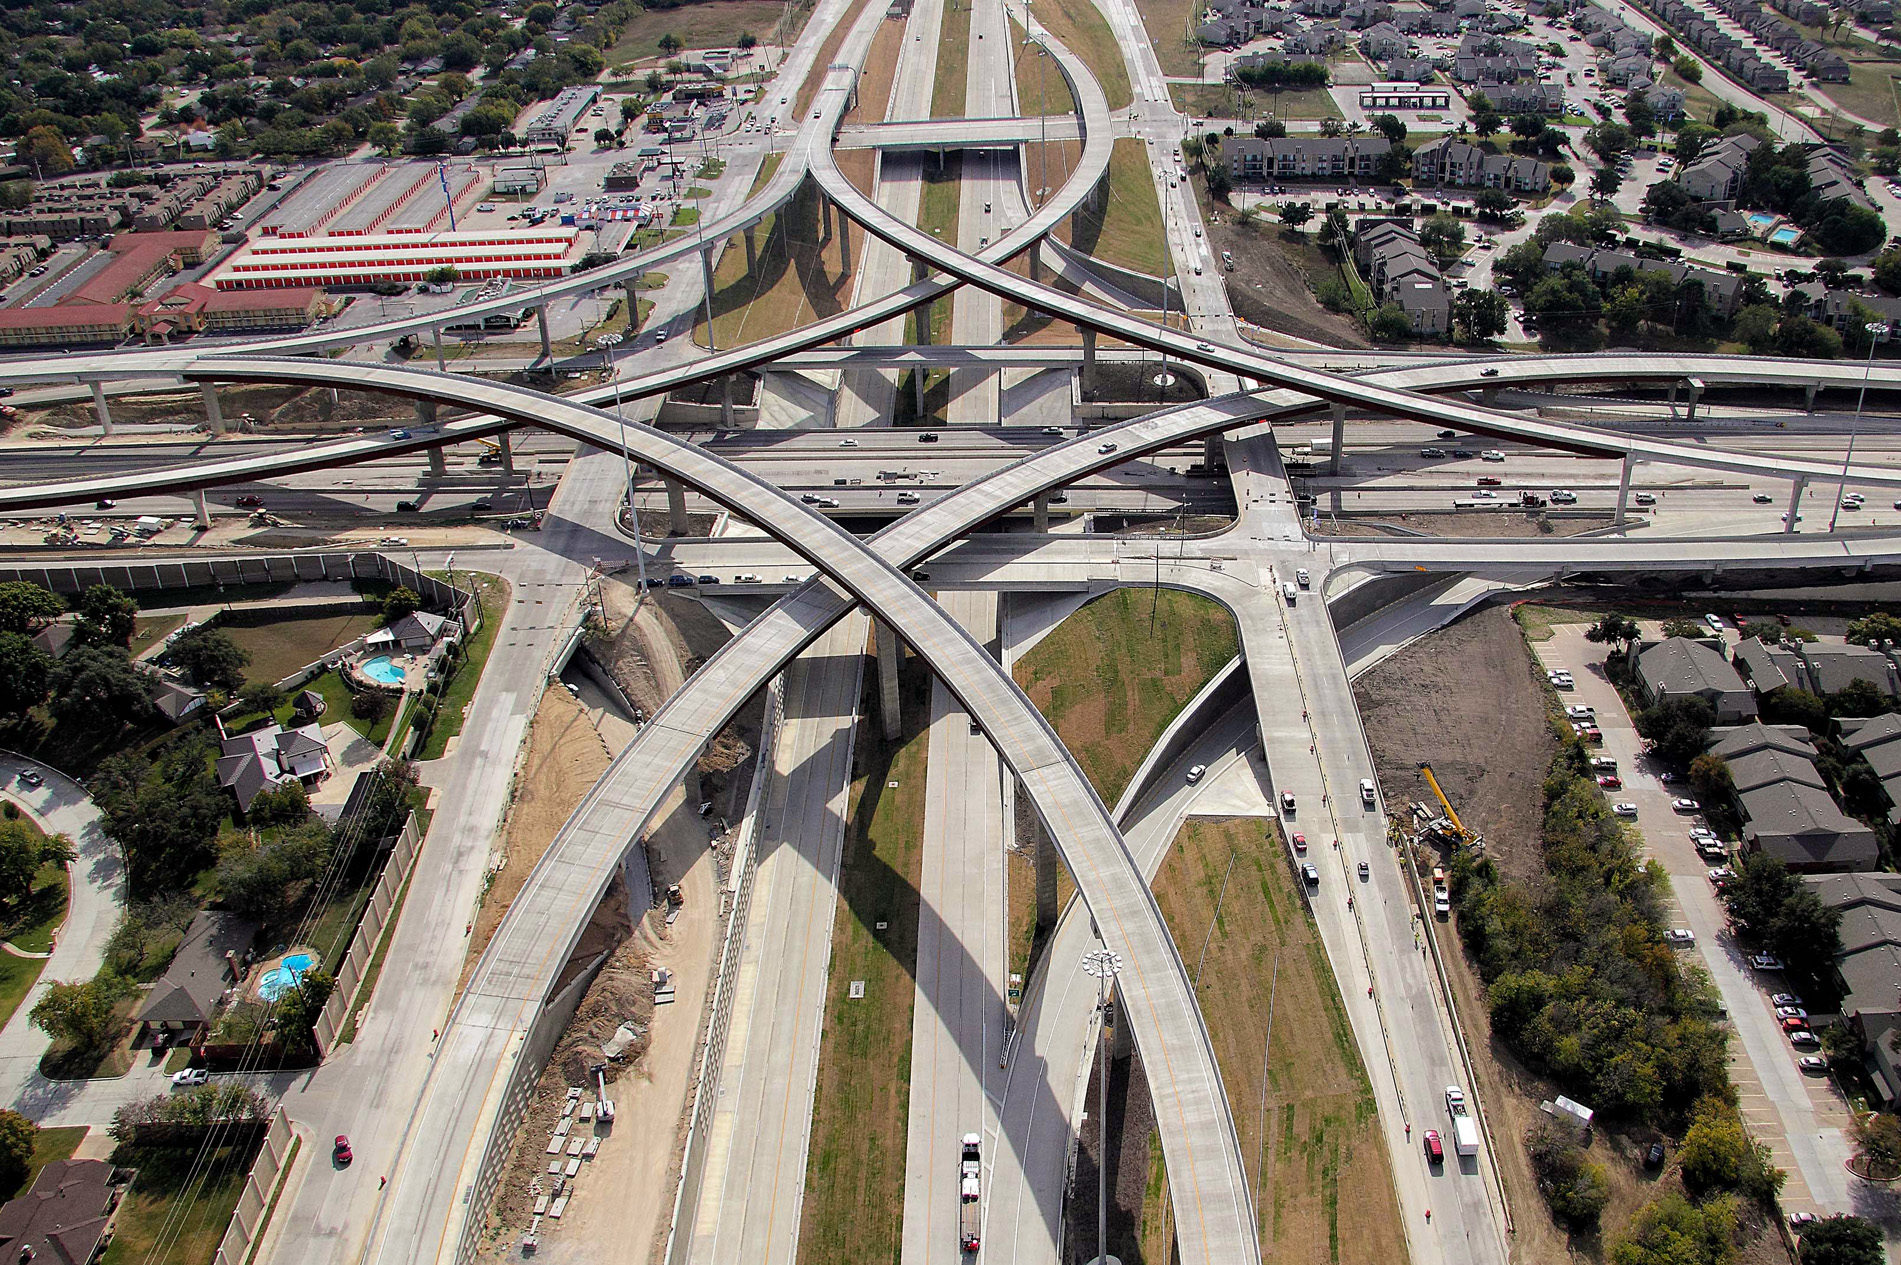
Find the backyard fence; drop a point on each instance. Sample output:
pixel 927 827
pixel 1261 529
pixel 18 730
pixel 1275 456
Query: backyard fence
pixel 376 915
pixel 254 1204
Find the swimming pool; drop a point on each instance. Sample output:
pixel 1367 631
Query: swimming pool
pixel 1759 219
pixel 1787 235
pixel 282 978
pixel 382 671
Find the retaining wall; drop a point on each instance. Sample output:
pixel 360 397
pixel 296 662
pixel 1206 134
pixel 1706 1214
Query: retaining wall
pixel 349 973
pixel 247 1219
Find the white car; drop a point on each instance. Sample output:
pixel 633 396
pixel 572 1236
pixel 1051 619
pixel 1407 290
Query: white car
pixel 1624 808
pixel 1812 1063
pixel 1195 773
pixel 1765 961
pixel 1714 621
pixel 1685 805
pixel 1491 454
pixel 1785 999
pixel 1287 802
pixel 1578 711
pixel 190 1076
pixel 1105 447
pixel 1791 1012
pixel 847 443
pixel 1680 935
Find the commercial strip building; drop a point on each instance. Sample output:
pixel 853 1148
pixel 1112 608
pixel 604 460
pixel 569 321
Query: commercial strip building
pixel 304 262
pixel 554 124
pixel 1405 96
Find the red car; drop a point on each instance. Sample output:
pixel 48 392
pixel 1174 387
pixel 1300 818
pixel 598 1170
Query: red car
pixel 1610 782
pixel 1793 1024
pixel 1435 1149
pixel 1300 844
pixel 1489 482
pixel 250 500
pixel 341 1154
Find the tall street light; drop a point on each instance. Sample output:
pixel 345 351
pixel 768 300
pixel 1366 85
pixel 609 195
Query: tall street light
pixel 1876 331
pixel 611 341
pixel 1104 965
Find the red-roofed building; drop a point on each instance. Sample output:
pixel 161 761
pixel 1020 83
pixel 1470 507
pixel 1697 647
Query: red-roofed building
pixel 194 308
pixel 65 324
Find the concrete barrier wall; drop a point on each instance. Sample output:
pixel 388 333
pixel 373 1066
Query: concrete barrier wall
pixel 1370 595
pixel 247 1219
pixel 356 962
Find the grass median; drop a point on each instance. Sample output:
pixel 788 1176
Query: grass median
pixel 949 93
pixel 1124 227
pixel 854 1177
pixel 1078 26
pixel 1309 1129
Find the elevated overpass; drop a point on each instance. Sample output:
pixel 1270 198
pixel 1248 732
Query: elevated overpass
pixel 944 134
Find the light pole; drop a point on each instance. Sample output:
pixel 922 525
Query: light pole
pixel 1103 965
pixel 1876 331
pixel 610 342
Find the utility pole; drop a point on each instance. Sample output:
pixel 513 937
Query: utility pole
pixel 1104 965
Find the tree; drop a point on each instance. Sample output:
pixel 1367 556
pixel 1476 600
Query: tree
pixel 1677 729
pixel 1663 47
pixel 264 881
pixel 83 1013
pixel 1878 1142
pixel 1808 339
pixel 1639 117
pixel 209 657
pixel 1294 214
pixel 671 43
pixel 1607 140
pixel 1390 127
pixel 1605 182
pixel 1493 204
pixel 1755 325
pixel 1857 698
pixel 1219 183
pixel 630 109
pixel 1617 629
pixel 20 858
pixel 1575 1188
pixel 1562 175
pixel 1486 123
pixel 24 672
pixel 46 151
pixel 1444 237
pixel 1837 1240
pixel 1718 1154
pixel 401 601
pixel 370 705
pixel 1390 324
pixel 1875 626
pixel 16 1150
pixel 1482 314
pixel 106 617
pixel 1688 69
pixel 1673 1231
pixel 299 1009
pixel 94 684
pixel 261 696
pixel 285 805
pixel 1711 780
pixel 385 137
pixel 1270 129
pixel 27 608
pixel 1681 627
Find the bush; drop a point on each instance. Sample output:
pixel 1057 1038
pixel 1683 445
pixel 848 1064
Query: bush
pixel 16 1150
pixel 1718 1155
pixel 1574 1187
pixel 370 705
pixel 1673 1231
pixel 1841 1240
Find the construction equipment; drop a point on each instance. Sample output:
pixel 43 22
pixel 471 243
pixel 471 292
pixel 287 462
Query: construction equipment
pixel 1449 828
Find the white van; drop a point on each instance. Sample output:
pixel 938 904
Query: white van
pixel 1367 791
pixel 1289 593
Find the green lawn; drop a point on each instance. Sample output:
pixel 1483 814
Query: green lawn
pixel 854 1184
pixel 953 63
pixel 50 1145
pixel 1127 227
pixel 1078 25
pixel 709 24
pixel 685 216
pixel 1137 679
pixel 1869 92
pixel 493 593
pixel 938 203
pixel 1171 29
pixel 1207 100
pixel 149 630
pixel 17 977
pixel 164 1220
pixel 279 644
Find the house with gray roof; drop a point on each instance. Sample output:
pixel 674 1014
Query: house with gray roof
pixel 1249 158
pixel 66 1217
pixel 1833 668
pixel 211 958
pixel 1717 173
pixel 271 757
pixel 1680 667
pixel 1734 742
pixel 1868 969
pixel 1801 826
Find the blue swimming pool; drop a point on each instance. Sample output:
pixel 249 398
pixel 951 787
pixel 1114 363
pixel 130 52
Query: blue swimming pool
pixel 1759 219
pixel 382 671
pixel 1788 235
pixel 282 978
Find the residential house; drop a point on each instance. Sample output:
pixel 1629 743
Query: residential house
pixel 1877 741
pixel 1382 41
pixel 1451 161
pixel 65 1217
pixel 270 757
pixel 1682 667
pixel 1527 96
pixel 211 958
pixel 1251 158
pixel 1839 309
pixel 1785 804
pixel 1666 104
pixel 1717 174
pixel 415 633
pixel 1411 70
pixel 1868 968
pixel 1832 176
pixel 1403 273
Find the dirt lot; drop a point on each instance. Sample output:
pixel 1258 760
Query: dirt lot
pixel 1469 700
pixel 566 756
pixel 1308 1125
pixel 1269 286
pixel 1466 525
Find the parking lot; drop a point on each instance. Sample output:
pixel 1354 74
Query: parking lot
pixel 1801 1117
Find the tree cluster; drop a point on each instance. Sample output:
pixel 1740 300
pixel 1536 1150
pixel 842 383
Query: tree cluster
pixel 1574 1186
pixel 1779 911
pixel 164 815
pixel 1284 74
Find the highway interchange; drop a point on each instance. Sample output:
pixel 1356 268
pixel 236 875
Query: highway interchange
pixel 1291 654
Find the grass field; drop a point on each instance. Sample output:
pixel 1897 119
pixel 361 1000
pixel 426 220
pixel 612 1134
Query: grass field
pixel 938 204
pixel 1127 228
pixel 149 630
pixel 1170 25
pixel 1309 1129
pixel 854 1182
pixel 1698 101
pixel 281 646
pixel 1869 92
pixel 30 927
pixel 798 278
pixel 709 24
pixel 815 78
pixel 1079 27
pixel 953 63
pixel 1206 100
pixel 493 591
pixel 1041 88
pixel 165 1222
pixel 1111 717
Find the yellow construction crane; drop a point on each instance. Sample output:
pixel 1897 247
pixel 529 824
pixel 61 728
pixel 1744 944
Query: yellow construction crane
pixel 1458 832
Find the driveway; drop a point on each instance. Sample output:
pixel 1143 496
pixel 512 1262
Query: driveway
pixel 1801 1118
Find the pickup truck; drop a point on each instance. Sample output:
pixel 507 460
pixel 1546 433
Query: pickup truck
pixel 970 1194
pixel 1465 1130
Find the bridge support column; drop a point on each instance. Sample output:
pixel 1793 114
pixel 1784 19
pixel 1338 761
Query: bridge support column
pixel 541 320
pixel 214 414
pixel 438 464
pixel 1040 507
pixel 1671 399
pixel 824 218
pixel 1089 360
pixel 437 332
pixel 425 413
pixel 1036 261
pixel 917 388
pixel 100 408
pixel 752 252
pixel 889 653
pixel 1213 452
pixel 1488 396
pixel 201 510
pixel 676 507
pixel 923 311
pixel 1339 463
pixel 1795 501
pixel 706 297
pixel 1696 393
pixel 1623 486
pixel 508 453
pixel 1046 866
pixel 844 240
pixel 1808 396
pixel 726 401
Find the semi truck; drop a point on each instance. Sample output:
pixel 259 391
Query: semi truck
pixel 970 1194
pixel 1465 1130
